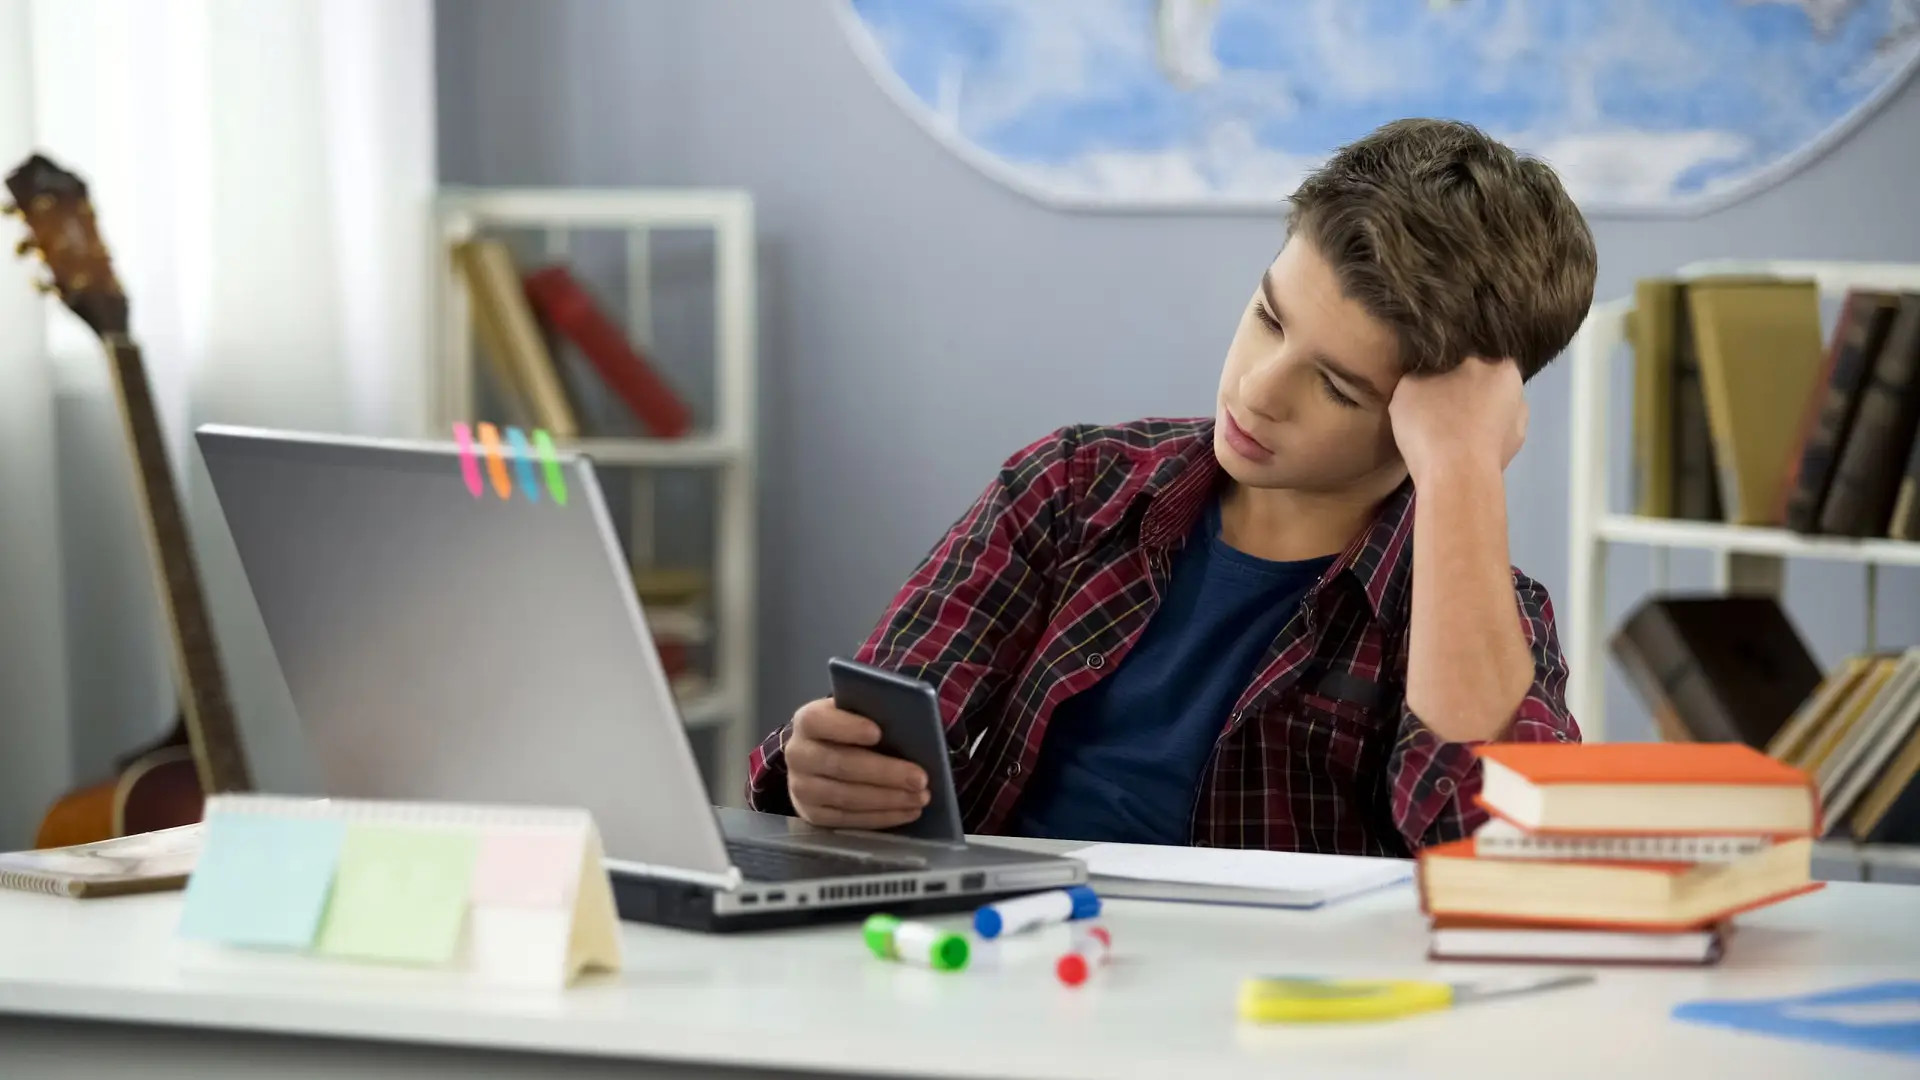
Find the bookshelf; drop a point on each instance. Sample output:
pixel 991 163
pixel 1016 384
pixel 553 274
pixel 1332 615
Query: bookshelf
pixel 1745 558
pixel 725 705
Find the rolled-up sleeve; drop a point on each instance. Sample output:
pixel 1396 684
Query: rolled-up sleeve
pixel 1434 782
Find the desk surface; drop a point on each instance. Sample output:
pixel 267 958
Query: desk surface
pixel 814 999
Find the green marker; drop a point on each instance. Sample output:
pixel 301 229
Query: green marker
pixel 556 480
pixel 915 943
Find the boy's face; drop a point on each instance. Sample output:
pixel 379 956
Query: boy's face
pixel 1303 397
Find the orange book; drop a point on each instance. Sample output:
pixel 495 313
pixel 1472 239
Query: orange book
pixel 1650 788
pixel 1613 895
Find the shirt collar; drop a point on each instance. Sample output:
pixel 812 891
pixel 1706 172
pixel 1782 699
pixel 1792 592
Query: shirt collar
pixel 1379 559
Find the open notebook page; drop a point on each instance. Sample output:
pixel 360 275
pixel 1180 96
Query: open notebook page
pixel 1276 878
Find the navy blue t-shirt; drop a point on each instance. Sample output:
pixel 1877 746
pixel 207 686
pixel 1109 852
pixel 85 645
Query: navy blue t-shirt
pixel 1122 761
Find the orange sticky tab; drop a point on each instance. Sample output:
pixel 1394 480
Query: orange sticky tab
pixel 496 461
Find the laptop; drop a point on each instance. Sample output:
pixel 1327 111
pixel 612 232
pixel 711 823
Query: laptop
pixel 459 625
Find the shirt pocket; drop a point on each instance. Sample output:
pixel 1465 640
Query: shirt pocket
pixel 1333 735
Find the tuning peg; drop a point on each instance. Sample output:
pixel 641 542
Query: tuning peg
pixel 11 210
pixel 25 246
pixel 45 288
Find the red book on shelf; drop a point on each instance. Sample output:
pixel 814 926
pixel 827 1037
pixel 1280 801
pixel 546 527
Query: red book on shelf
pixel 566 306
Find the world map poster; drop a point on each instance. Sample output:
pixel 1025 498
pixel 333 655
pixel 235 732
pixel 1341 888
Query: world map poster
pixel 1641 105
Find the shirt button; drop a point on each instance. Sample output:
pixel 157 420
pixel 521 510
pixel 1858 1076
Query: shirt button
pixel 1444 785
pixel 1096 661
pixel 1561 735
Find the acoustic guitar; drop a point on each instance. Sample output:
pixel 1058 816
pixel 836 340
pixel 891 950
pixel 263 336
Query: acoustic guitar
pixel 163 784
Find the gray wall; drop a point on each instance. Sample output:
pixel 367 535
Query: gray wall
pixel 920 321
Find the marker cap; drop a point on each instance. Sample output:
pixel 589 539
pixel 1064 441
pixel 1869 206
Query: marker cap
pixel 1086 902
pixel 988 923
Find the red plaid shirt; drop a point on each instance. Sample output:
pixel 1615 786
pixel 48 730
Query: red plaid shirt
pixel 1046 582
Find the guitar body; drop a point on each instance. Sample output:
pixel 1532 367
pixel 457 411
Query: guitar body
pixel 159 788
pixel 163 785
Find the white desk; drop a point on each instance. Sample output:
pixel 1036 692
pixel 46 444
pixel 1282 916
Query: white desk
pixel 97 988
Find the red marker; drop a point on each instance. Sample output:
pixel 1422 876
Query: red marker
pixel 1090 950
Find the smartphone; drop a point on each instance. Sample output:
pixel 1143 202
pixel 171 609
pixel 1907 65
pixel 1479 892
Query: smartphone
pixel 908 713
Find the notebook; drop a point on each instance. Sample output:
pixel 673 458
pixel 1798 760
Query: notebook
pixel 143 862
pixel 1286 879
pixel 1502 839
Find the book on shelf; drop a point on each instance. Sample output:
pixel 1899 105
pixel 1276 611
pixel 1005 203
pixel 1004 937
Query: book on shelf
pixel 565 305
pixel 1744 414
pixel 1716 668
pixel 1619 852
pixel 1758 347
pixel 1866 747
pixel 1651 333
pixel 1858 736
pixel 523 370
pixel 1865 316
pixel 1795 737
pixel 1905 524
pixel 1867 478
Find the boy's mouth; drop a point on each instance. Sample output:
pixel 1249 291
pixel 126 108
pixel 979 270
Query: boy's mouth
pixel 1243 443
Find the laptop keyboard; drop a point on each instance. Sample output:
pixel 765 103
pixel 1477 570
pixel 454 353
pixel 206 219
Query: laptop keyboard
pixel 761 863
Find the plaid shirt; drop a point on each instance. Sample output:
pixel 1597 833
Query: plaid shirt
pixel 1042 587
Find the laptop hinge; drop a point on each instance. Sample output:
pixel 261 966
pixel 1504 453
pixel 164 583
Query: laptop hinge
pixel 727 882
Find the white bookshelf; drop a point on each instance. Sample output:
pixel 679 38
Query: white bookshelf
pixel 1745 558
pixel 725 704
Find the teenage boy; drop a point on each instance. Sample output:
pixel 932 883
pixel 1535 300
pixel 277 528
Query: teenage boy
pixel 1236 631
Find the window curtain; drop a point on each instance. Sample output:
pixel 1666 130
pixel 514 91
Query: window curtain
pixel 263 173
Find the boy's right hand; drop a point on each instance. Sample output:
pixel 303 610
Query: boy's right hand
pixel 836 782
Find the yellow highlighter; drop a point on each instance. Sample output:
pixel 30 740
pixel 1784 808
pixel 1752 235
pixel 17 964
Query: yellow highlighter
pixel 1307 1000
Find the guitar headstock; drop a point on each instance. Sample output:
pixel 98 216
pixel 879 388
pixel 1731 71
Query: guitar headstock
pixel 59 217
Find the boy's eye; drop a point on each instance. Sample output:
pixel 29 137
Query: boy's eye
pixel 1334 393
pixel 1266 317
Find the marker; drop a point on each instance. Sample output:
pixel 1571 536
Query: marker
pixel 1090 950
pixel 1027 912
pixel 890 938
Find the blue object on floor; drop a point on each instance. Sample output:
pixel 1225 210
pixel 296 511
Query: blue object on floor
pixel 1878 1016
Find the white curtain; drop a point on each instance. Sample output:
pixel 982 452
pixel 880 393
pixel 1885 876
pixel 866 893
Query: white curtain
pixel 263 172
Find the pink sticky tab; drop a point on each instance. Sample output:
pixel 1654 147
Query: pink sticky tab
pixel 469 468
pixel 526 870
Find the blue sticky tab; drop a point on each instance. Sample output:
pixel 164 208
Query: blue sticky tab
pixel 523 462
pixel 1086 902
pixel 261 881
pixel 1883 1017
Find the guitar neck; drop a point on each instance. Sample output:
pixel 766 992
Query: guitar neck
pixel 211 729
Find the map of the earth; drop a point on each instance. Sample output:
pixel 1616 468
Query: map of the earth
pixel 1642 105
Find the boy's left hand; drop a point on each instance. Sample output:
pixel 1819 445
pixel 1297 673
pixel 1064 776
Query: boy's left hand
pixel 1474 415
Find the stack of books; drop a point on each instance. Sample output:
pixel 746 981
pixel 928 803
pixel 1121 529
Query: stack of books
pixel 1628 852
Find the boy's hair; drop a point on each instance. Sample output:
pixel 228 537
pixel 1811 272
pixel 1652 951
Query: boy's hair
pixel 1464 247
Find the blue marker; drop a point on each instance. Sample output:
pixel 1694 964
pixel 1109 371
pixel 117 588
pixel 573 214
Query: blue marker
pixel 1026 912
